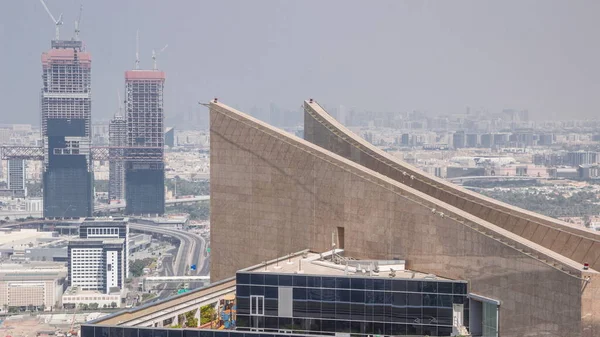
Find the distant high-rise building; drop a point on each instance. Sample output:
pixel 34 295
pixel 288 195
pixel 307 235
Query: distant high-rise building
pixel 66 102
pixel 170 137
pixel 16 177
pixel 459 140
pixel 116 175
pixel 472 140
pixel 97 260
pixel 144 166
pixel 576 158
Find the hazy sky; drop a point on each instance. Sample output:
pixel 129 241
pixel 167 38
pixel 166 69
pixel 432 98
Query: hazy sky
pixel 438 56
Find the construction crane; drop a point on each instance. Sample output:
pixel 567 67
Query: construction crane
pixel 78 23
pixel 154 55
pixel 137 50
pixel 57 23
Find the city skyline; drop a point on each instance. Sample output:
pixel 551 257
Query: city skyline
pixel 447 55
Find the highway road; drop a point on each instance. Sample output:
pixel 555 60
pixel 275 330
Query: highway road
pixel 191 250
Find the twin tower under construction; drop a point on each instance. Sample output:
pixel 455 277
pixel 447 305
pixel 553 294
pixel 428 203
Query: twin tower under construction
pixel 136 151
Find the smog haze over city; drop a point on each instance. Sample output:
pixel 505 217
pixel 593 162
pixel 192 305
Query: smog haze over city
pixel 397 56
pixel 299 168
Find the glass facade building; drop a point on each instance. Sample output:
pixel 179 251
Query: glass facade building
pixel 353 305
pixel 118 331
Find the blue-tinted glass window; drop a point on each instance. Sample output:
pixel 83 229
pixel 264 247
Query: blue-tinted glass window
pixel 342 295
pixel 271 323
pixel 286 280
pixel 221 334
pixel 430 330
pixel 369 284
pixel 160 333
pixel 242 291
pixel 445 287
pixel 257 278
pixel 285 323
pixel 430 287
pixel 399 314
pixel 204 333
pixel 378 284
pixel 175 333
pixel 328 295
pixel 186 333
pixel 459 288
pixel 445 301
pixel 342 282
pixel 328 282
pixel 271 307
pixel 271 292
pixel 413 329
pixel 429 300
pixel 357 311
pixel 388 285
pixel 243 305
pixel 299 309
pixel 242 320
pixel 313 281
pixel 87 331
pixel 143 333
pixel 414 286
pixel 299 293
pixel 314 309
pixel 378 328
pixel 342 326
pixel 328 325
pixel 257 290
pixel 379 297
pixel 328 310
pixel 272 280
pixel 429 315
pixel 399 329
pixel 242 278
pixel 357 296
pixel 314 294
pixel 102 331
pixel 357 283
pixel 399 299
pixel 342 310
pixel 315 324
pixel 444 330
pixel 355 327
pixel 300 281
pixel 415 299
pixel 398 285
pixel 458 299
pixel 369 296
pixel 444 316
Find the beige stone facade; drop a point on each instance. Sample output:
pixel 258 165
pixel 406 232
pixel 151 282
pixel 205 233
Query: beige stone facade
pixel 272 194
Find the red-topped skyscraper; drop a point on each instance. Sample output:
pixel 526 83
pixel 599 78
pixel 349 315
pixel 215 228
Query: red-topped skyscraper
pixel 66 107
pixel 144 167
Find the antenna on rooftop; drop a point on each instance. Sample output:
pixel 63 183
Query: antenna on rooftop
pixel 57 23
pixel 77 23
pixel 120 110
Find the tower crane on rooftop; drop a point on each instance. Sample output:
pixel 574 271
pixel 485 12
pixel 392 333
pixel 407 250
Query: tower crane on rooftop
pixel 154 55
pixel 78 23
pixel 57 23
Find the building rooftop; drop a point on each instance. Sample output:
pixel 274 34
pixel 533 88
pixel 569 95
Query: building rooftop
pixel 15 238
pixel 334 263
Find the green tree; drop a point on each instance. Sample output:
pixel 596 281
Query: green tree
pixel 113 305
pixel 207 314
pixel 94 306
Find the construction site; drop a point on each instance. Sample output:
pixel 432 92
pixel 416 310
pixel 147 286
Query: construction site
pixel 136 135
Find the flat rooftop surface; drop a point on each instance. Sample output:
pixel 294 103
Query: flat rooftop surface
pixel 311 263
pixel 23 237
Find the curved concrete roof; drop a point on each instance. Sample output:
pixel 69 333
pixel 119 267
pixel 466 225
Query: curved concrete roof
pixel 573 242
